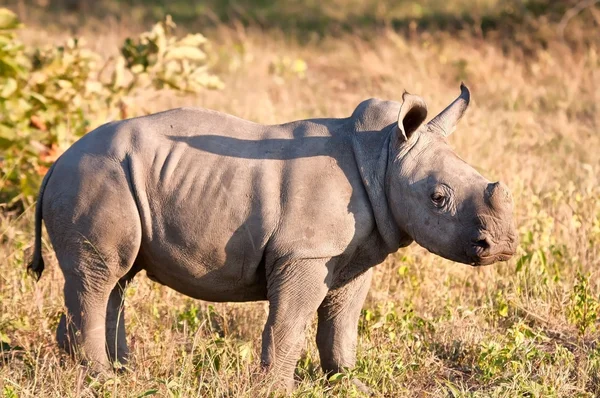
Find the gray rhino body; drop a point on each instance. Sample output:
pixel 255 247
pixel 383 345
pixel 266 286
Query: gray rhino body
pixel 223 209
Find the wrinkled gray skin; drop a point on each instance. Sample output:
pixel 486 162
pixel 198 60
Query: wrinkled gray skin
pixel 223 209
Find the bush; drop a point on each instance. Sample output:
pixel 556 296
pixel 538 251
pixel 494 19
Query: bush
pixel 50 97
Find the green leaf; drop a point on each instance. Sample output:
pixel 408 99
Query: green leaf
pixel 524 259
pixel 38 97
pixel 152 391
pixel 8 19
pixel 7 136
pixel 137 69
pixel 185 52
pixel 503 311
pixel 10 86
pixel 453 391
pixel 194 40
pixel 4 338
pixel 9 67
pixel 336 377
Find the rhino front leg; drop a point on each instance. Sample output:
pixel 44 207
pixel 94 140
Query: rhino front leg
pixel 295 291
pixel 337 331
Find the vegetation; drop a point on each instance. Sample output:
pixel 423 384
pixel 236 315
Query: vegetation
pixel 52 96
pixel 430 327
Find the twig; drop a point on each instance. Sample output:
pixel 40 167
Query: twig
pixel 571 13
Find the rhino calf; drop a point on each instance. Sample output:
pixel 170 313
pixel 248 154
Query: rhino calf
pixel 223 209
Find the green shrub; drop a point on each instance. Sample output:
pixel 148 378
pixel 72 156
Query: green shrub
pixel 51 96
pixel 583 307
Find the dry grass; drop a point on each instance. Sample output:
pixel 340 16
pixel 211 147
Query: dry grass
pixel 430 327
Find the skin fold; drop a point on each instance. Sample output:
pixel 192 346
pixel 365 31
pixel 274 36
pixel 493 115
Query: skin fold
pixel 222 209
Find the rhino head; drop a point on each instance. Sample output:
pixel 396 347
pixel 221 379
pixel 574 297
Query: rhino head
pixel 440 201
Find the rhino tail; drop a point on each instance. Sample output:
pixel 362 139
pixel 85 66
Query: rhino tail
pixel 36 266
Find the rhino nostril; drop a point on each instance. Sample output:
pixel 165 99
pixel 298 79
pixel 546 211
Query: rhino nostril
pixel 482 243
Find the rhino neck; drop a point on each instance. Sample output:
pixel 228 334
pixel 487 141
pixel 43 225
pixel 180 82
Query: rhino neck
pixel 372 154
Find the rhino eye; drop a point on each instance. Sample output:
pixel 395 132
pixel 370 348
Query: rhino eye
pixel 438 199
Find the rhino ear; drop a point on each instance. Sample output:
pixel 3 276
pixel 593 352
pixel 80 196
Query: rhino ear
pixel 413 112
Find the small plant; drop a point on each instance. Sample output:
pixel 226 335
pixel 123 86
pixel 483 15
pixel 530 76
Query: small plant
pixel 584 306
pixel 9 392
pixel 513 353
pixel 189 318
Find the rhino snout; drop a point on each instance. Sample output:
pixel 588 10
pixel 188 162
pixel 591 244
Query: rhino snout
pixel 496 238
pixel 483 250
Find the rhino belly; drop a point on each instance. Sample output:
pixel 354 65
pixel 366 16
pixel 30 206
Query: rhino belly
pixel 202 280
pixel 207 257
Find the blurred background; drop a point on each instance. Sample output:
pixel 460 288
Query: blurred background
pixel 430 327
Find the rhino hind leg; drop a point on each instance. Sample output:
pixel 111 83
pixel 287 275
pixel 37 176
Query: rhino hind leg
pixel 116 338
pixel 116 343
pixel 95 251
pixel 83 328
pixel 95 276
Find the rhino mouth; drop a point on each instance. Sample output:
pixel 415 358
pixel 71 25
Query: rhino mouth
pixel 473 259
pixel 491 259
